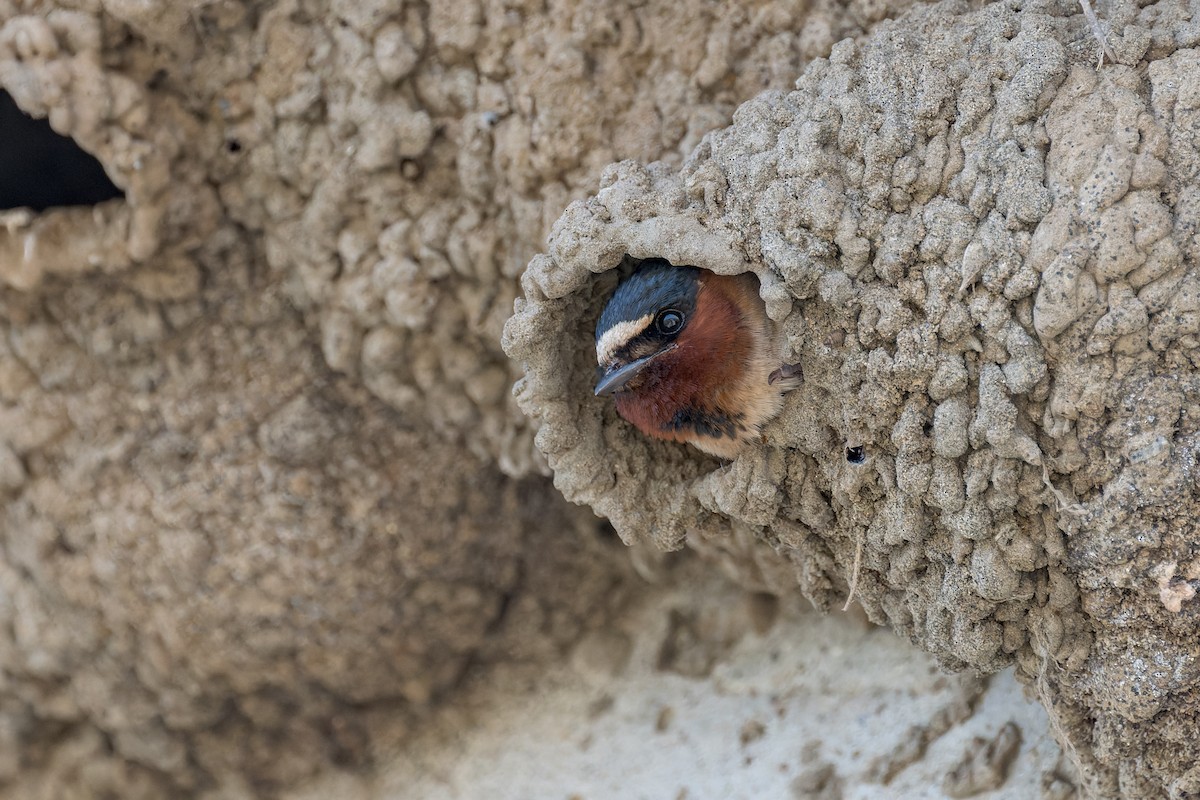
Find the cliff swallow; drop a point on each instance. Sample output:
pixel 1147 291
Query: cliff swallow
pixel 690 356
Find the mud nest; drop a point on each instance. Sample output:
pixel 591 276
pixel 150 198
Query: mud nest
pixel 982 251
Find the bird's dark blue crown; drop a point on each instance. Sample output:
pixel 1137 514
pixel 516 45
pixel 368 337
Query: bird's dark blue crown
pixel 654 285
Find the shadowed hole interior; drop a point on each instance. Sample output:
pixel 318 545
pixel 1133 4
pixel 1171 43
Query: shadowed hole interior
pixel 40 169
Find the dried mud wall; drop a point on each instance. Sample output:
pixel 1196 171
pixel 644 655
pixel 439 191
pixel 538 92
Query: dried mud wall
pixel 264 492
pixel 242 408
pixel 983 252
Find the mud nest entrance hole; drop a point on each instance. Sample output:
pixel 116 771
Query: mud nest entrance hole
pixel 41 169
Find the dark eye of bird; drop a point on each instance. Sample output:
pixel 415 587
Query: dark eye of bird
pixel 669 321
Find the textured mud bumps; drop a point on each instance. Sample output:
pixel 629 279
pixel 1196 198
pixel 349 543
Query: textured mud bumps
pixel 981 250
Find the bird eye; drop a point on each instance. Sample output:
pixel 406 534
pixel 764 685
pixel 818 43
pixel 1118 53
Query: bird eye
pixel 669 321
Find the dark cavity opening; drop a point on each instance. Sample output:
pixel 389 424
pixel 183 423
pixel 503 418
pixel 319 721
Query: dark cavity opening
pixel 856 455
pixel 40 169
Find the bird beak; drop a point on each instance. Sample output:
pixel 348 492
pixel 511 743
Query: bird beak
pixel 615 379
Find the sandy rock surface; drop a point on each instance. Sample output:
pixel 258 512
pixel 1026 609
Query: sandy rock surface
pixel 759 698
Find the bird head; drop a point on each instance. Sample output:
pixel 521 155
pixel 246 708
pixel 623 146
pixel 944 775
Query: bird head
pixel 643 323
pixel 691 356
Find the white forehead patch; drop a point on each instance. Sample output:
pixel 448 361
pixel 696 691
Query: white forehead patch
pixel 618 336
